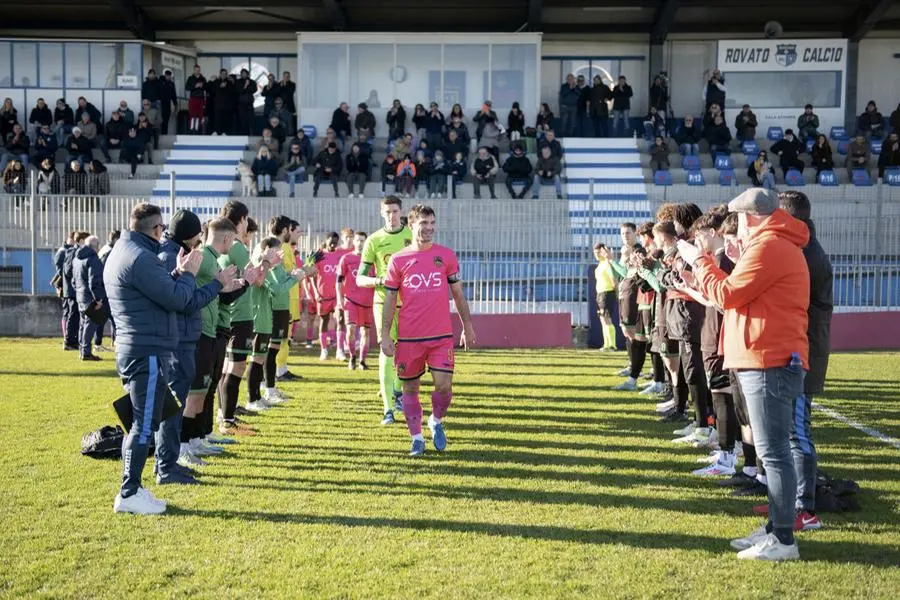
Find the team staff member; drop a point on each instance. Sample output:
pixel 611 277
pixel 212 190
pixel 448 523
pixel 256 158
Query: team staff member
pixel 87 275
pixel 143 298
pixel 289 262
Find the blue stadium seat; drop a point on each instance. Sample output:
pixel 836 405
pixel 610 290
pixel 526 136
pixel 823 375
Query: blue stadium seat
pixel 750 148
pixel 662 178
pixel 726 177
pixel 775 134
pixel 875 146
pixel 695 177
pixel 892 176
pixel 310 131
pixel 723 162
pixel 861 178
pixel 838 134
pixel 690 163
pixel 828 178
pixel 842 147
pixel 794 178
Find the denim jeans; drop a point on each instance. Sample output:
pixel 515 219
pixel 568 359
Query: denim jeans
pixel 690 149
pixel 181 368
pixel 770 395
pixel 86 331
pixel 539 181
pixel 61 132
pixel 768 181
pixel 568 115
pixel 804 453
pixel 72 320
pixel 437 184
pixel 621 118
pixel 264 182
pixel 293 176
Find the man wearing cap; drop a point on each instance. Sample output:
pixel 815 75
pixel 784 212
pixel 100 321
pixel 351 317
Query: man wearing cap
pixel 168 102
pixel 765 299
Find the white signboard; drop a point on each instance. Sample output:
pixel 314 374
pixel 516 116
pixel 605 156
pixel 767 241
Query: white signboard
pixel 172 61
pixel 130 82
pixel 782 55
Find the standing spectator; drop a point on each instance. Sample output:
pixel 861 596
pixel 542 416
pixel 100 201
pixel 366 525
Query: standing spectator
pixel 116 130
pixel 405 176
pixel 434 126
pixel 858 154
pixel 483 118
pixel 17 146
pixel 789 149
pixel 719 137
pixel 518 169
pixel 328 166
pixel 126 113
pixel 388 173
pixel 169 101
pixel 807 124
pixel 78 147
pixel 895 119
pixel 621 95
pixel 63 121
pixel 90 131
pixel 871 123
pixel 659 95
pixel 364 121
pixel 269 93
pixel 340 122
pixel 484 170
pixel 152 90
pixel 295 165
pixel 745 125
pixel 569 95
pixel 821 155
pixel 396 121
pixel 583 97
pixel 71 315
pixel 45 145
pixel 9 116
pixel 246 93
pixel 224 99
pixel 659 155
pixel 547 171
pixel 544 120
pixel 357 167
pixel 144 298
pixel 58 282
pixel 195 87
pixel 766 294
pixel 688 137
pixel 97 180
pixel 86 107
pixel 437 177
pixel 48 179
pixel 133 149
pixel 715 89
pixel 40 116
pixel 287 90
pixel 890 154
pixel 760 171
pixel 419 121
pixel 154 117
pixel 87 273
pixel 598 107
pixel 515 123
pixel 265 168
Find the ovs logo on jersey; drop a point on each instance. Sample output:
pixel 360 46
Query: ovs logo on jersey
pixel 330 269
pixel 417 281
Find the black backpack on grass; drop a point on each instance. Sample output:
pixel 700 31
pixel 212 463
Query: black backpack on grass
pixel 106 442
pixel 835 495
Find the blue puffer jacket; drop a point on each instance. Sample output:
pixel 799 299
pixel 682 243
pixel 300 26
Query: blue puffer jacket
pixel 143 297
pixel 68 259
pixel 190 320
pixel 88 276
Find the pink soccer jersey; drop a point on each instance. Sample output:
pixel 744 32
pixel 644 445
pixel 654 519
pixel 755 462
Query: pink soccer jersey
pixel 422 279
pixel 347 268
pixel 327 272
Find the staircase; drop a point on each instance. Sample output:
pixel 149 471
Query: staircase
pixel 204 166
pixel 619 192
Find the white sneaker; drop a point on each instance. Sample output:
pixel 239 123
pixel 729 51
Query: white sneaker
pixel 724 465
pixel 770 548
pixel 629 385
pixel 190 460
pixel 140 503
pixel 624 372
pixel 340 356
pixel 756 536
pixel 690 438
pixel 664 407
pixel 654 388
pixel 687 430
pixel 256 407
pixel 275 398
pixel 709 459
pixel 201 447
pixel 706 438
pixel 324 354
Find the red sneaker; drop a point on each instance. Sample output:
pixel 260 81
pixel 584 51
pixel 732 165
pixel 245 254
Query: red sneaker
pixel 807 522
pixel 761 509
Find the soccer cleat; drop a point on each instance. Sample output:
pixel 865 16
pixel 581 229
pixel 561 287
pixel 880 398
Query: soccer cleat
pixel 201 447
pixel 91 358
pixel 654 388
pixel 624 372
pixel 807 521
pixel 256 407
pixel 628 385
pixel 240 411
pixel 190 460
pixel 176 478
pixel 685 430
pixel 340 355
pixel 398 401
pixel 362 366
pixel 770 549
pixel 709 458
pixel 756 536
pixel 308 345
pixel 70 348
pixel 675 417
pixel 418 448
pixel 665 406
pixel 738 480
pixel 388 418
pixel 724 465
pixel 288 376
pixel 275 398
pixel 323 355
pixel 234 428
pixel 690 438
pixel 438 437
pixel 351 364
pixel 140 503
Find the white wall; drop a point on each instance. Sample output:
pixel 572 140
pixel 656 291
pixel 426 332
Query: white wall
pixel 687 62
pixel 879 75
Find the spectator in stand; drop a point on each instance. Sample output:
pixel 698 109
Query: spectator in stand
pixel 278 131
pixel 659 95
pixel 97 178
pixel 437 178
pixel 278 110
pixel 223 96
pixel 405 176
pixel 544 120
pixel 402 147
pixel 169 101
pixel 515 123
pixel 364 121
pixel 76 179
pixel 659 155
pixel 715 89
pixel 195 87
pixel 388 173
pixel 40 116
pixel 340 122
pixel 822 159
pixel 462 131
pixel 789 149
pixel 126 113
pixel 484 171
pixel 490 138
pixel 87 274
pixel 712 112
pixel 152 90
pixel 269 93
pixel 547 171
pixel 246 94
pixel 895 119
pixel 518 169
pixel 116 131
pixel 718 136
pixel 654 124
pixel 458 169
pixel 424 147
pixel 455 144
pixel 269 142
pixel 9 116
pixel 484 117
pixel 295 165
pixel 306 146
pixel 45 145
pixel 265 168
pixel 621 109
pixel 147 134
pixel 418 120
pixel 807 124
pixel 434 126
pixel 14 178
pixel 569 96
pixel 456 111
pixel 745 125
pixel 63 121
pixel 890 153
pixel 858 154
pixel 871 122
pixel 581 118
pixel 423 171
pixel 48 178
pixel 396 121
pixel 154 117
pixel 357 166
pixel 78 147
pixel 688 137
pixel 17 146
pixel 598 107
pixel 86 107
pixel 133 150
pixel 550 141
pixel 328 166
pixel 287 90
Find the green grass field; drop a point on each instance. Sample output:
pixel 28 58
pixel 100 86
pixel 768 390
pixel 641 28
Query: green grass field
pixel 552 487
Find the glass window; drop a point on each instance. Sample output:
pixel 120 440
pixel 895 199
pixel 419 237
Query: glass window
pixel 774 89
pixel 128 60
pixel 234 64
pixel 287 64
pixel 209 67
pixel 51 64
pixel 370 76
pixel 465 76
pixel 325 65
pixel 25 64
pixel 260 67
pixel 418 76
pixel 513 72
pixel 77 65
pixel 103 65
pixel 5 65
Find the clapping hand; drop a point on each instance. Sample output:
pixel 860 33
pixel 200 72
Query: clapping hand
pixel 689 252
pixel 253 275
pixel 190 262
pixel 227 275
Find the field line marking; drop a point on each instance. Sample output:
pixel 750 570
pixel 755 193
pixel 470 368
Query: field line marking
pixel 867 430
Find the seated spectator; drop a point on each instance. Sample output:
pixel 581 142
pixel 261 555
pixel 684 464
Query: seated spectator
pixel 154 116
pixel 365 121
pixel 821 155
pixel 340 123
pixel 17 146
pixel 858 154
pixel 895 119
pixel 357 167
pixel 484 170
pixel 48 178
pixel 890 153
pixel 423 171
pixel 75 179
pixel 718 136
pixel 871 123
pixel 659 155
pixel 712 112
pixel 654 124
pixel 133 149
pixel 330 137
pixel 306 146
pixel 789 149
pixel 97 178
pixel 551 142
pixel 425 147
pixel 9 116
pixel 544 121
pixel 268 141
pixel 127 113
pixel 745 124
pixel 458 127
pixel 388 172
pixel 485 115
pixel 434 126
pixel 284 117
pixel 40 116
pixel 405 176
pixel 490 138
pixel 518 168
pixel 14 178
pixel 515 123
pixel 807 124
pixel 437 178
pixel 402 147
pixel 418 120
pixel 328 166
pixel 547 171
pixel 456 111
pixel 86 107
pixel 147 134
pixel 760 171
pixel 63 121
pixel 116 130
pixel 688 137
pixel 396 121
pixel 45 145
pixel 265 168
pixel 458 169
pixel 295 165
pixel 78 147
pixel 455 144
pixel 90 132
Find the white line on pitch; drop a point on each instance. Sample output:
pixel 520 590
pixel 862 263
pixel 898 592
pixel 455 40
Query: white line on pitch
pixel 867 430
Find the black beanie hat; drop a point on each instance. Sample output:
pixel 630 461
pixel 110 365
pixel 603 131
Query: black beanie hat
pixel 184 225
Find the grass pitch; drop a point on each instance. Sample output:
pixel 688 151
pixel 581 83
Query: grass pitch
pixel 552 487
